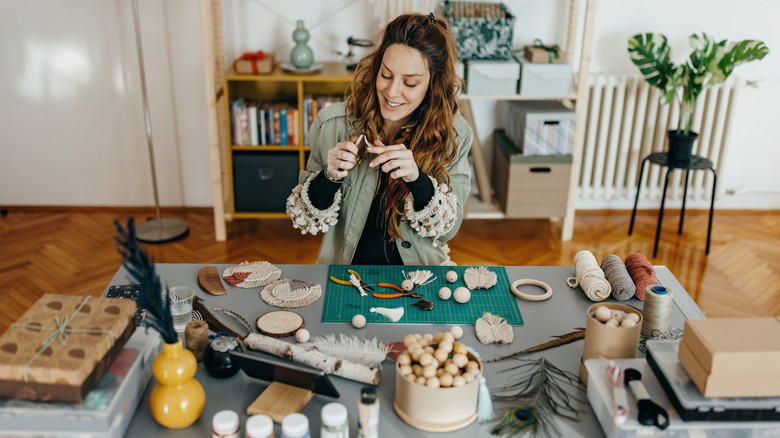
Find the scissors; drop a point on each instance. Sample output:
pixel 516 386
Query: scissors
pixel 400 293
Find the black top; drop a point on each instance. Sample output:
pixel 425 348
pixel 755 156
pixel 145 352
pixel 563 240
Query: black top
pixel 375 247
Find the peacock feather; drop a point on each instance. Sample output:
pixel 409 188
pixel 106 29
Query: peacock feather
pixel 141 268
pixel 533 396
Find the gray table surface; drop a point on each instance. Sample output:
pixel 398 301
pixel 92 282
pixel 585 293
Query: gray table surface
pixel 561 314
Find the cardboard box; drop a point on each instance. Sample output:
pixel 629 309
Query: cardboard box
pixel 254 63
pixel 70 365
pixel 529 186
pixel 106 411
pixel 544 80
pixel 541 127
pixel 539 55
pixel 492 78
pixel 733 357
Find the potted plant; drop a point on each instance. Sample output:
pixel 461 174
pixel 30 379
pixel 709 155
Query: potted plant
pixel 710 63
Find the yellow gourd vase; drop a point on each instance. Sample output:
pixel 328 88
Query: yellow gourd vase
pixel 178 399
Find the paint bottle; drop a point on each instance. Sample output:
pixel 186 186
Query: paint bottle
pixel 224 424
pixel 295 426
pixel 334 421
pixel 368 413
pixel 259 426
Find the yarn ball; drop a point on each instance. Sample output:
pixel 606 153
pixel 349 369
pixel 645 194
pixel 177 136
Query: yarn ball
pixel 642 273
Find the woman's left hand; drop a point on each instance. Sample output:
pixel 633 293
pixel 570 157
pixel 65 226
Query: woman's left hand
pixel 395 160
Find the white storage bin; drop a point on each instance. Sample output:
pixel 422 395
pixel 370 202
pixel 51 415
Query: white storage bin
pixel 492 78
pixel 544 80
pixel 541 127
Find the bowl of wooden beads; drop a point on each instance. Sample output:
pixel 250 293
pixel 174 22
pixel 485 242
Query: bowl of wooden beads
pixel 436 383
pixel 612 331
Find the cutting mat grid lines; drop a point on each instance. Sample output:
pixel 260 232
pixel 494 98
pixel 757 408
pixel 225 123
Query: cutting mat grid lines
pixel 343 302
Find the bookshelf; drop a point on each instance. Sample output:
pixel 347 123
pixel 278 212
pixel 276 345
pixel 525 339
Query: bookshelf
pixel 258 176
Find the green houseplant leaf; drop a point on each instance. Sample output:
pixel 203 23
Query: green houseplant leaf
pixel 710 63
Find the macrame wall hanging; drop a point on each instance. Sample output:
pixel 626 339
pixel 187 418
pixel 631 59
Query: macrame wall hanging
pixel 251 274
pixel 291 293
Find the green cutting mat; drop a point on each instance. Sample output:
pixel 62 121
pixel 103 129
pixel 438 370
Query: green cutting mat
pixel 343 302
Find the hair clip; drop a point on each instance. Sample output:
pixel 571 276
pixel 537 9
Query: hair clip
pixel 430 17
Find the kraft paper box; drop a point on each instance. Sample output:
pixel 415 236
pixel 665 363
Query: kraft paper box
pixel 733 357
pixel 538 55
pixel 254 63
pixel 93 331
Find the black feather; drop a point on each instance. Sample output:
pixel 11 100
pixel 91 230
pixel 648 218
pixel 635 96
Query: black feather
pixel 141 268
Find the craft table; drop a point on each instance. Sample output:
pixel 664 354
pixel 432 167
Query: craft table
pixel 561 314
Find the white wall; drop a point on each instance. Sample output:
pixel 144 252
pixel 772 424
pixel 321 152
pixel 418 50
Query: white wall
pixel 71 118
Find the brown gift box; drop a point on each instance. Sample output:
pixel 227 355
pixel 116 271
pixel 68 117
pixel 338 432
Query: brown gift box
pixel 254 63
pixel 732 357
pixel 63 371
pixel 539 55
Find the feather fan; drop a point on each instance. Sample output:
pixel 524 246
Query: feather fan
pixel 533 396
pixel 369 352
pixel 141 268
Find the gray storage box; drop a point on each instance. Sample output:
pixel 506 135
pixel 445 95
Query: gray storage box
pixel 492 78
pixel 541 127
pixel 529 186
pixel 544 80
pixel 263 181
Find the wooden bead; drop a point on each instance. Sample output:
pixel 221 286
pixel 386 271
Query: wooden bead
pixel 452 369
pixel 428 349
pixel 421 380
pixel 458 381
pixel 440 355
pixel 446 346
pixel 457 331
pixel 426 359
pixel 409 340
pixel 404 358
pixel 462 295
pixel 618 315
pixel 417 370
pixel 628 323
pixel 405 370
pixel 358 321
pixel 459 348
pixel 451 276
pixel 460 360
pixel 447 336
pixel 429 371
pixel 469 377
pixel 603 313
pixel 446 380
pixel 302 335
pixel 433 382
pixel 428 338
pixel 472 367
pixel 445 293
pixel 407 285
pixel 612 322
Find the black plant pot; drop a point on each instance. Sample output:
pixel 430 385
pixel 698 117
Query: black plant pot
pixel 681 146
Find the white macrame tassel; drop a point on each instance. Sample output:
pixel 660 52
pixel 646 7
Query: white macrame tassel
pixel 392 314
pixel 355 282
pixel 484 403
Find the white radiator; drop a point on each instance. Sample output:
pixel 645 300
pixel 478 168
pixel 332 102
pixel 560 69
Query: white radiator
pixel 625 123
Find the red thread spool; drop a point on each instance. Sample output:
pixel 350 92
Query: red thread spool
pixel 642 273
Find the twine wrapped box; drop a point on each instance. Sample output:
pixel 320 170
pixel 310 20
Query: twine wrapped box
pixel 40 362
pixel 253 63
pixel 543 54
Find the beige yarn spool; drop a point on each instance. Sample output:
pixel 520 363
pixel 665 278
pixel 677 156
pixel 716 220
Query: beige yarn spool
pixel 657 310
pixel 197 336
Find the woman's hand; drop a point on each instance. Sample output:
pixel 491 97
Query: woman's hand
pixel 342 158
pixel 395 160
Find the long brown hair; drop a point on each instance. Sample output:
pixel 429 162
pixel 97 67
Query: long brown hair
pixel 433 139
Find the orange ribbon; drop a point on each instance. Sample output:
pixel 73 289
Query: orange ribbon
pixel 252 57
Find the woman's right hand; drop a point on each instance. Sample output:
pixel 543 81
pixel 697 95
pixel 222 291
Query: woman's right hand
pixel 342 158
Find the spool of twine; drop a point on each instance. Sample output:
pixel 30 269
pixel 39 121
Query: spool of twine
pixel 197 335
pixel 656 310
pixel 642 273
pixel 617 275
pixel 589 276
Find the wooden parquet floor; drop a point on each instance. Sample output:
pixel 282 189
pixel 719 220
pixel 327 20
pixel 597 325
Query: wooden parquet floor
pixel 71 250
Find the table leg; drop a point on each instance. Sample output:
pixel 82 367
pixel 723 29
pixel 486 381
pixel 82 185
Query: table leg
pixel 712 208
pixel 685 197
pixel 636 201
pixel 661 213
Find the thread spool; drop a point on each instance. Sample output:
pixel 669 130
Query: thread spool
pixel 657 310
pixel 642 272
pixel 618 277
pixel 589 276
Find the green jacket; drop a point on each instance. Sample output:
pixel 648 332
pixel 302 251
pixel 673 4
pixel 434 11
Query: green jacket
pixel 339 242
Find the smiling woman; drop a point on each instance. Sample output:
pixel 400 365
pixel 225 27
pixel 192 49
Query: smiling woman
pixel 388 172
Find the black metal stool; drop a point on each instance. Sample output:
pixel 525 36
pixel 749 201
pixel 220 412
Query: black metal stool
pixel 696 163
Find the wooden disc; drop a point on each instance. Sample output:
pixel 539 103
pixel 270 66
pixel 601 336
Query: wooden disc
pixel 210 281
pixel 279 323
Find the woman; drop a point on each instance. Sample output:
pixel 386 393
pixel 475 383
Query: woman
pixel 388 172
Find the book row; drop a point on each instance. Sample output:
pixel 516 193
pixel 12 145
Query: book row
pixel 255 123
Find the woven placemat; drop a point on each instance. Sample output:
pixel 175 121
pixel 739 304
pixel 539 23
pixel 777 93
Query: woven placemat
pixel 291 293
pixel 251 274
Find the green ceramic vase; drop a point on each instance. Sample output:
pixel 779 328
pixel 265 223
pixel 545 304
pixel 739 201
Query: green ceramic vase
pixel 301 56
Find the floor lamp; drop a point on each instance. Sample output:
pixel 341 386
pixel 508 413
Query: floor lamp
pixel 156 230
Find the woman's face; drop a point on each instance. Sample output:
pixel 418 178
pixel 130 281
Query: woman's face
pixel 402 83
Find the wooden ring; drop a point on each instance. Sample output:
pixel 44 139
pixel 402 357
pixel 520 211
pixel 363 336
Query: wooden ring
pixel 543 285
